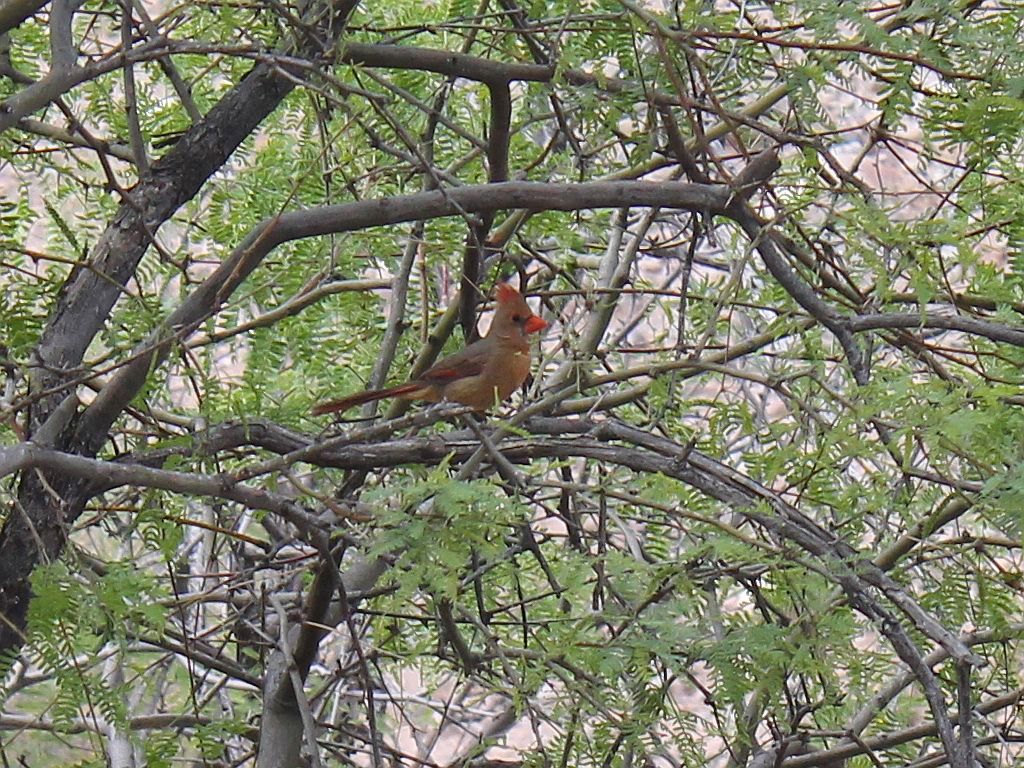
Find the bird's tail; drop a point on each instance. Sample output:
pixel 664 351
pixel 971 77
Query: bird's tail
pixel 412 389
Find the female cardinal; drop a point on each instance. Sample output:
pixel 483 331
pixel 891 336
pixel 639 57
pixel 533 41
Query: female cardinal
pixel 484 373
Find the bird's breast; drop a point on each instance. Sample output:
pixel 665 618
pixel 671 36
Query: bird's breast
pixel 502 376
pixel 510 372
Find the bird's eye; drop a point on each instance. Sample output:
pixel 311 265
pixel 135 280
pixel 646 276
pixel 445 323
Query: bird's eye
pixel 518 319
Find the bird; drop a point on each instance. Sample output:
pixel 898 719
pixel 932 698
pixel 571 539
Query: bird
pixel 482 375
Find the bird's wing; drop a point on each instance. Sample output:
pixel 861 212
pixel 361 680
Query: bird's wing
pixel 463 364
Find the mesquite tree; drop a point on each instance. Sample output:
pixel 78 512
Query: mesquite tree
pixel 758 506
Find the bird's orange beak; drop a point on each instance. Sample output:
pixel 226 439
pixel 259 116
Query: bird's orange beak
pixel 534 324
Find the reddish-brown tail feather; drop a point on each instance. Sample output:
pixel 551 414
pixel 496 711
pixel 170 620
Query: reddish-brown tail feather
pixel 344 403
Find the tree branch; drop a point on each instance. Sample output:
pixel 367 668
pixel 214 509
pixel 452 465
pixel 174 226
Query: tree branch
pixel 104 475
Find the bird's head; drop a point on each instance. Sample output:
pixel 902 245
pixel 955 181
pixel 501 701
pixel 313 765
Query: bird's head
pixel 514 314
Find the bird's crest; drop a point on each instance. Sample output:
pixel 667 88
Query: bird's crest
pixel 506 293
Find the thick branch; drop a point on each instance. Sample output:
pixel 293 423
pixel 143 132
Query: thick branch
pixel 1010 334
pixel 444 63
pixel 104 475
pixel 13 12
